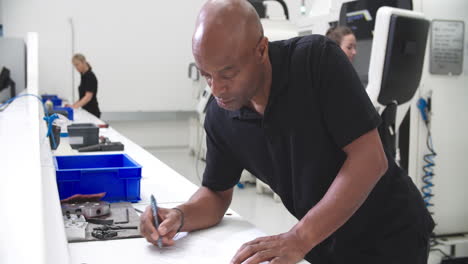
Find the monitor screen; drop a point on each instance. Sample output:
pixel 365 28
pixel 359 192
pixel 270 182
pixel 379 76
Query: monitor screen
pixel 360 15
pixel 4 78
pixel 5 83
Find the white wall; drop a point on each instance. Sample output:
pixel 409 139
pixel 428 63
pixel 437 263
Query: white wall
pixel 449 126
pixel 48 18
pixel 1 12
pixel 140 50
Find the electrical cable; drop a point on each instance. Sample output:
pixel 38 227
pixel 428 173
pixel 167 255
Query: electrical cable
pixel 9 101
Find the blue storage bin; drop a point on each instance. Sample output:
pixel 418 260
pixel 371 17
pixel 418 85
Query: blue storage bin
pixel 116 174
pixel 54 98
pixel 68 109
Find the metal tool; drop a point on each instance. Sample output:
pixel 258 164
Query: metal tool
pixel 75 226
pixel 109 231
pixel 128 218
pixel 99 221
pixel 112 146
pixel 88 209
pixel 112 227
pixel 104 235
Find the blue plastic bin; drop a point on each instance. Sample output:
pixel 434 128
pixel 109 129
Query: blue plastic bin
pixel 116 174
pixel 54 98
pixel 68 109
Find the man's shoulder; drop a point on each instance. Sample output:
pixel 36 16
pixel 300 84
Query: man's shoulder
pixel 298 51
pixel 309 41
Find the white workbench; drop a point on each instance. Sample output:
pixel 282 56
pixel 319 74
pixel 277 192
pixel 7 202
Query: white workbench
pixel 36 234
pixel 214 245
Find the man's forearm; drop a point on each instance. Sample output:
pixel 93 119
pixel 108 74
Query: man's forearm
pixel 205 208
pixel 336 207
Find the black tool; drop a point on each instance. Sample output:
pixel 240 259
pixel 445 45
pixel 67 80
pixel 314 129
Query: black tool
pixel 109 231
pixel 103 235
pixel 111 227
pixel 111 146
pixel 99 221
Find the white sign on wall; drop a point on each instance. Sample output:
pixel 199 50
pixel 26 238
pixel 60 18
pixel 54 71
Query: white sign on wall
pixel 447 43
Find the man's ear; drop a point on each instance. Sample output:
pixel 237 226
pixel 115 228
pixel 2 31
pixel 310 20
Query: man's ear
pixel 262 51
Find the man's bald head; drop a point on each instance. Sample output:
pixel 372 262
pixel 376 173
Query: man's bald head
pixel 231 52
pixel 232 24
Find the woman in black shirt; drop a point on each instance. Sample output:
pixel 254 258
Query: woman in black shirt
pixel 88 86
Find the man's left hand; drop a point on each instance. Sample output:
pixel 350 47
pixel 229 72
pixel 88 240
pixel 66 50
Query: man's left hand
pixel 285 248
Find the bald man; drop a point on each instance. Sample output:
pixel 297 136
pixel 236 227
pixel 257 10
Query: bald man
pixel 294 114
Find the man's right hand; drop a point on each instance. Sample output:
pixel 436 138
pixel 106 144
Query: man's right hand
pixel 169 219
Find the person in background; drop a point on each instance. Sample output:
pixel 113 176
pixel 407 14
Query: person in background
pixel 344 37
pixel 88 86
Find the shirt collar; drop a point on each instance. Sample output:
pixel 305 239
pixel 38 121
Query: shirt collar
pixel 245 113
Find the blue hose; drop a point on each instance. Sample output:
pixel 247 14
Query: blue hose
pixel 428 168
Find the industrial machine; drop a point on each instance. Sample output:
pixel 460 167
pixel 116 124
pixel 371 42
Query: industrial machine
pixel 396 65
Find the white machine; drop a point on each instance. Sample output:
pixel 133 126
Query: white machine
pixel 387 80
pixel 396 64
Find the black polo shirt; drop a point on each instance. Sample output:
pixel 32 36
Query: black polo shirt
pixel 316 107
pixel 89 83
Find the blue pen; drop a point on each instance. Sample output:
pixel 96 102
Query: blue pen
pixel 154 207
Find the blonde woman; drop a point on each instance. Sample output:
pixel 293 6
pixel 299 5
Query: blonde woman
pixel 88 86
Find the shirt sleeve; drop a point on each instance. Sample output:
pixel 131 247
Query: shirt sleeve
pixel 346 108
pixel 222 170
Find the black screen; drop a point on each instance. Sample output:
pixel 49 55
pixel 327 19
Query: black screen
pixel 361 26
pixel 406 46
pixel 4 78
